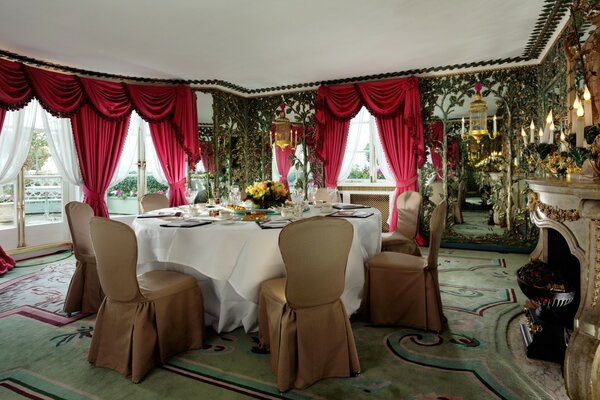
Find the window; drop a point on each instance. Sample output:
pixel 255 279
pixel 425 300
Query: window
pixel 29 160
pixel 364 161
pixel 139 171
pixel 43 184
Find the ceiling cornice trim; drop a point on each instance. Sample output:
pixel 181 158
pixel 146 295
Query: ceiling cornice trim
pixel 549 18
pixel 546 25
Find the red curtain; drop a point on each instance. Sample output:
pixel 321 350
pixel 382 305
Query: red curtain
pixel 282 156
pixel 172 159
pixel 173 107
pixel 437 137
pixel 6 262
pixel 99 143
pixel 397 107
pixel 335 107
pixel 207 156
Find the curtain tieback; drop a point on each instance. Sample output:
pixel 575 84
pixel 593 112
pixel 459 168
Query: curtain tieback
pixel 177 185
pixel 90 195
pixel 406 182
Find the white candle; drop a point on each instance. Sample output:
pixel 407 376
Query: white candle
pixel 462 126
pixel 563 143
pixel 541 133
pixel 552 128
pixel 578 128
pixel 524 136
pixel 532 136
pixel 587 106
pixel 495 130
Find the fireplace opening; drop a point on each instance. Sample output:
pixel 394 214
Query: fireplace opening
pixel 553 292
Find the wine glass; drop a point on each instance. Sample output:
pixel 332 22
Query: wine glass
pixel 190 196
pixel 235 197
pixel 332 194
pixel 312 192
pixel 297 198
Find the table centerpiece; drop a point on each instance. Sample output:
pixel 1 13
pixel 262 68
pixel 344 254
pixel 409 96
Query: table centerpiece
pixel 267 194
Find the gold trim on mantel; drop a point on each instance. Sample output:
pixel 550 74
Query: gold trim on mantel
pixel 597 266
pixel 552 212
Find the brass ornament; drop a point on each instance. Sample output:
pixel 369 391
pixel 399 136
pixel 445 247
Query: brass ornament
pixel 552 212
pixel 596 292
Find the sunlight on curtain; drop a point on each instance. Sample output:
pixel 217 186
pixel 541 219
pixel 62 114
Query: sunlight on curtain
pixel 15 140
pixel 62 147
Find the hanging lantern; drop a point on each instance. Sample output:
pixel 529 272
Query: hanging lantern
pixel 283 130
pixel 478 116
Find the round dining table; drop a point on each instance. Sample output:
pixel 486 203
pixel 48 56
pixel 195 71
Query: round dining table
pixel 230 259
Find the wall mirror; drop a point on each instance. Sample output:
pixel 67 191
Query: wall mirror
pixel 481 179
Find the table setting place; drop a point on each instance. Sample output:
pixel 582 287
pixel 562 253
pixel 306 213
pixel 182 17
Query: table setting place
pixel 201 214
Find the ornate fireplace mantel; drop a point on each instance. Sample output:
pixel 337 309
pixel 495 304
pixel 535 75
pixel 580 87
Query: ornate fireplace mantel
pixel 572 207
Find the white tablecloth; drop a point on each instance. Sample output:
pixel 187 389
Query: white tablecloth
pixel 230 262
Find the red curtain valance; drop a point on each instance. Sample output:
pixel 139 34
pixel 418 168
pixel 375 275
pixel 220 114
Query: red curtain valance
pixel 63 95
pixel 383 99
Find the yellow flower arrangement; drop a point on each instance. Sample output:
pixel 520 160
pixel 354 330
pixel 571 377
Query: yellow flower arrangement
pixel 267 194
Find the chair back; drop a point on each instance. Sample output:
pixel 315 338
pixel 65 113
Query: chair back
pixel 315 252
pixel 116 258
pixel 323 194
pixel 437 225
pixel 437 192
pixel 153 201
pixel 78 218
pixel 462 188
pixel 409 210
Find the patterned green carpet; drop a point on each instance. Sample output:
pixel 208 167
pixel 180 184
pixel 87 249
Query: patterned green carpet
pixel 44 351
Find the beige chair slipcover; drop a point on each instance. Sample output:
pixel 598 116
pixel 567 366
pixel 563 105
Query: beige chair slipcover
pixel 85 293
pixel 403 289
pixel 458 217
pixel 153 201
pixel 144 319
pixel 437 192
pixel 403 239
pixel 301 318
pixel 323 195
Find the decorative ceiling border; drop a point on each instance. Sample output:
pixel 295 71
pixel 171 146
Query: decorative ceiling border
pixel 551 15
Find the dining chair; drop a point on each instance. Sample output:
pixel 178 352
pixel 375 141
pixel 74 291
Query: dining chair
pixel 458 216
pixel 143 319
pixel 153 201
pixel 85 293
pixel 437 192
pixel 403 239
pixel 301 318
pixel 403 289
pixel 323 194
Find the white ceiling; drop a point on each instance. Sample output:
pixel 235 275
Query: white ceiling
pixel 267 44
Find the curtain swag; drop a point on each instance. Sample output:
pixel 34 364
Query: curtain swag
pixel 63 95
pixel 99 112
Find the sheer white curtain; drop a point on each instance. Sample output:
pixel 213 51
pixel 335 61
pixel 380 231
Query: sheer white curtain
pixel 15 140
pixel 153 166
pixel 358 127
pixel 380 154
pixel 129 150
pixel 62 147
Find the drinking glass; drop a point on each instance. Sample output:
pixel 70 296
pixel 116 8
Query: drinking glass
pixel 332 193
pixel 235 197
pixel 297 198
pixel 190 196
pixel 312 192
